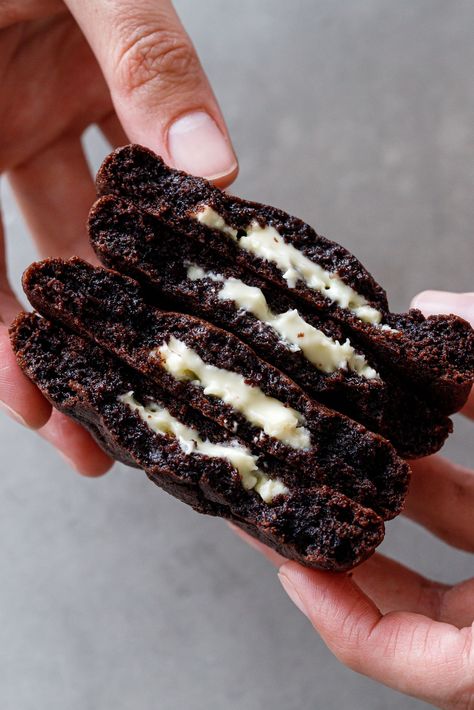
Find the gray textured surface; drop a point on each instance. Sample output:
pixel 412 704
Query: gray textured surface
pixel 359 117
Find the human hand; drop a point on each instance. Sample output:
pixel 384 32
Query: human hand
pixel 387 621
pixel 128 67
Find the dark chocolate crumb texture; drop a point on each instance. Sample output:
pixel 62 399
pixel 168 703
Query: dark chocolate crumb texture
pixel 190 457
pixel 275 411
pixel 314 350
pixel 434 355
pixel 222 378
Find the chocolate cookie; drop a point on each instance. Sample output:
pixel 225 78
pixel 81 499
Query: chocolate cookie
pixel 434 355
pixel 140 424
pixel 270 410
pixel 223 378
pixel 314 350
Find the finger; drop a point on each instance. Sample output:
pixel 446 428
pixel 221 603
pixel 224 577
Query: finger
pixel 13 11
pixel 433 302
pixel 18 396
pixel 160 92
pixel 394 587
pixel 76 445
pixel 406 651
pixel 55 190
pixel 457 607
pixel 441 498
pixel 9 304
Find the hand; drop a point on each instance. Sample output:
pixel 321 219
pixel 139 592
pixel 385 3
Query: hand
pixel 385 620
pixel 128 67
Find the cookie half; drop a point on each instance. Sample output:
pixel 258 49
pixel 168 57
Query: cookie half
pixel 313 349
pixel 434 355
pixel 222 378
pixel 140 424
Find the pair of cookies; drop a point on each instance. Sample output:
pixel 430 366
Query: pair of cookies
pixel 276 411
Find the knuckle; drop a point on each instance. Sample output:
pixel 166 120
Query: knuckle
pixel 159 56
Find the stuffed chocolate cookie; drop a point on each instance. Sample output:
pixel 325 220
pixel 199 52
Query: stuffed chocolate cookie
pixel 434 356
pixel 279 408
pixel 223 379
pixel 187 455
pixel 313 349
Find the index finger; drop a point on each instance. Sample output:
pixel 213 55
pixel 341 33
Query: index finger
pixel 158 86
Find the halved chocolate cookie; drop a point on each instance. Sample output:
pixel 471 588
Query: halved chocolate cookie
pixel 241 426
pixel 222 378
pixel 435 355
pixel 314 350
pixel 187 455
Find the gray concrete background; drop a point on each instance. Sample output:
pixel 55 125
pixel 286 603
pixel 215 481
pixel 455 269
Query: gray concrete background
pixel 358 116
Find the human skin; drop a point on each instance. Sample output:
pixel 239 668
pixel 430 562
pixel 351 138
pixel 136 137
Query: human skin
pixel 127 66
pixel 385 620
pixel 130 68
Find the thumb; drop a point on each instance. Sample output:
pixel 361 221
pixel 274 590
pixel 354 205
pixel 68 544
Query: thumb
pixel 434 302
pixel 160 92
pixel 403 650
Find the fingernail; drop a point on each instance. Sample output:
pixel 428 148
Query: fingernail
pixel 434 302
pixel 290 589
pixel 13 414
pixel 197 145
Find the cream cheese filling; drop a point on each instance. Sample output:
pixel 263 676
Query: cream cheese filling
pixel 162 422
pixel 268 244
pixel 325 353
pixel 267 413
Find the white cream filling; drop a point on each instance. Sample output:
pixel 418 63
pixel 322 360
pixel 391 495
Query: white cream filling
pixel 162 422
pixel 267 413
pixel 268 244
pixel 325 353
